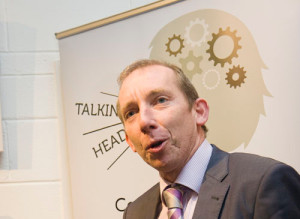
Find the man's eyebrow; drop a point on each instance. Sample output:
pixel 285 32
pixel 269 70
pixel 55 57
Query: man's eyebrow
pixel 127 106
pixel 156 92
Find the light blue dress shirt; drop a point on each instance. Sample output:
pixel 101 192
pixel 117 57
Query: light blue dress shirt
pixel 191 176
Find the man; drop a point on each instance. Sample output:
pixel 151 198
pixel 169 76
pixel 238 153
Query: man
pixel 164 121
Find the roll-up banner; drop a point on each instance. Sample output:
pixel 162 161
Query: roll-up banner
pixel 242 57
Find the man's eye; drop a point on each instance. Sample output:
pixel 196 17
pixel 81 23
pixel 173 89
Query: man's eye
pixel 129 114
pixel 161 100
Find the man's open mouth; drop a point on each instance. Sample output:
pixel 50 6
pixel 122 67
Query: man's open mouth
pixel 155 144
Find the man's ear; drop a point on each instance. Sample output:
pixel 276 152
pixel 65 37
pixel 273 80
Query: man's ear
pixel 129 142
pixel 202 111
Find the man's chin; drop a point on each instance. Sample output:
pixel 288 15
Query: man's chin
pixel 162 167
pixel 157 164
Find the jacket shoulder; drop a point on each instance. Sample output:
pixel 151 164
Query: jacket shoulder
pixel 253 159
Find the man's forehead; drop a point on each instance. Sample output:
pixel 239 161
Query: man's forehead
pixel 149 73
pixel 146 93
pixel 148 80
pixel 149 76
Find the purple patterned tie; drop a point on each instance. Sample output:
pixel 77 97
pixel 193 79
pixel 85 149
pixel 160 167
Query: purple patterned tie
pixel 173 199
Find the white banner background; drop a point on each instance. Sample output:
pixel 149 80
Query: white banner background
pixel 91 62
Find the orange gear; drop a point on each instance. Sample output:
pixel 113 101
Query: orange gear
pixel 181 46
pixel 236 82
pixel 214 39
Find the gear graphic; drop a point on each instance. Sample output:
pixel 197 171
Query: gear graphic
pixel 191 64
pixel 168 44
pixel 217 82
pixel 234 51
pixel 187 34
pixel 231 74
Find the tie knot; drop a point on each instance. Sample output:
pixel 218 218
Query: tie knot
pixel 173 196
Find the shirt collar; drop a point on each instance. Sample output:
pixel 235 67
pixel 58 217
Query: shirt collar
pixel 193 172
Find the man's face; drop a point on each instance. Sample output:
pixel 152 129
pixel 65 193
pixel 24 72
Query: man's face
pixel 158 121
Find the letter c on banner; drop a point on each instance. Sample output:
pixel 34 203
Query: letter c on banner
pixel 117 204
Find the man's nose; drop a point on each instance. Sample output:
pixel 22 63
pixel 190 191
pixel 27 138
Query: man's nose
pixel 147 120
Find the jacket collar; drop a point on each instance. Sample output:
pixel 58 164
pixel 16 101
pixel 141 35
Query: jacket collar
pixel 213 189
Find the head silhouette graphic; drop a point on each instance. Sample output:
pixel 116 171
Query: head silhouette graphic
pixel 219 55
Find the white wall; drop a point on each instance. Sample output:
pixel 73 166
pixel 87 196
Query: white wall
pixel 33 165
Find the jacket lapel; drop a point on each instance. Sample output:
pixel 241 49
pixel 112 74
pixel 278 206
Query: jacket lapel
pixel 213 189
pixel 153 205
pixel 146 206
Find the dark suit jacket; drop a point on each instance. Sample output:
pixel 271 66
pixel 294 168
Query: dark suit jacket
pixel 235 185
